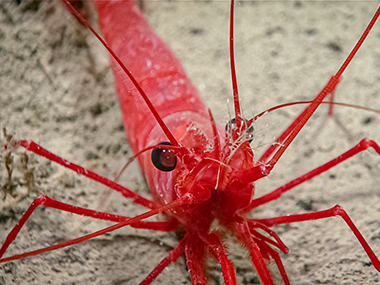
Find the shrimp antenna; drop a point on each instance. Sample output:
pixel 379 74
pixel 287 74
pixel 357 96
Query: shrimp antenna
pixel 233 71
pixel 309 102
pixel 163 126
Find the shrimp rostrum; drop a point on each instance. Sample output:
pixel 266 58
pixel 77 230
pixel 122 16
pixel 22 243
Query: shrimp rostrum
pixel 199 174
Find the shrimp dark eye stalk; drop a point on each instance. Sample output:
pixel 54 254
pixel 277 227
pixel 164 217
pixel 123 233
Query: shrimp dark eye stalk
pixel 210 179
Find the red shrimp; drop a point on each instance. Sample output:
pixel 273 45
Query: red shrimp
pixel 77 259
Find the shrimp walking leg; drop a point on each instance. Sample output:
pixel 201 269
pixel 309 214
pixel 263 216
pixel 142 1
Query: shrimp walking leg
pixel 48 202
pixel 195 255
pixel 218 250
pixel 277 259
pixel 335 211
pixel 172 257
pixel 125 222
pixel 37 149
pixel 275 194
pixel 257 256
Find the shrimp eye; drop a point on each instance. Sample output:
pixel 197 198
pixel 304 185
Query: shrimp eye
pixel 231 125
pixel 164 159
pixel 249 132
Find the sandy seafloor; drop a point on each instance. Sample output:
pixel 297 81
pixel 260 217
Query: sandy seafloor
pixel 56 88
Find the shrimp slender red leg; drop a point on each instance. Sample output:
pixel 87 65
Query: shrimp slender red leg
pixel 195 254
pixel 48 202
pixel 217 249
pixel 263 242
pixel 214 245
pixel 172 257
pixel 276 257
pixel 127 222
pixel 335 211
pixel 278 243
pixel 257 257
pixel 275 194
pixel 37 149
